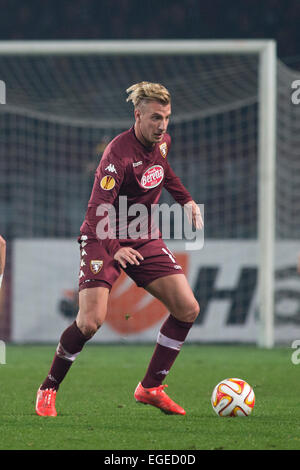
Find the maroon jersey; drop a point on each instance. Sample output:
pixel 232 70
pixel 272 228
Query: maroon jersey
pixel 128 168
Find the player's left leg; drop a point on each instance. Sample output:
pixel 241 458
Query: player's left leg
pixel 176 294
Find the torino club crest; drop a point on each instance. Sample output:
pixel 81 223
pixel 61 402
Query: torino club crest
pixel 96 265
pixel 163 148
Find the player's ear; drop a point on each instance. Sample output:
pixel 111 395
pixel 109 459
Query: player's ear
pixel 137 114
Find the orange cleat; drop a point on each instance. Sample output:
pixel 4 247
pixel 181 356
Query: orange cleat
pixel 45 402
pixel 157 397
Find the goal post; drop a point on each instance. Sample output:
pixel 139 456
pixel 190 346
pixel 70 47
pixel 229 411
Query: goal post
pixel 266 185
pixel 265 50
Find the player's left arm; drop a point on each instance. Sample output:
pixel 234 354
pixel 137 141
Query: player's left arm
pixel 174 186
pixel 194 215
pixel 2 257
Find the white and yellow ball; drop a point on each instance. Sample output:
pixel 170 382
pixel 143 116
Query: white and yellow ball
pixel 233 397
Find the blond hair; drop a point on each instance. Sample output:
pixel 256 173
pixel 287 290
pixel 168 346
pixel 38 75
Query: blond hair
pixel 147 91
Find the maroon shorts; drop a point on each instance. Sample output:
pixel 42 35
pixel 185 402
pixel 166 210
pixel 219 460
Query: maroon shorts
pixel 98 268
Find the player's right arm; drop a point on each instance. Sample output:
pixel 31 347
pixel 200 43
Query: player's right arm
pixel 128 255
pixel 108 180
pixel 2 257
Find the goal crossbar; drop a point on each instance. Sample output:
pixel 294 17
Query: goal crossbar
pixel 118 47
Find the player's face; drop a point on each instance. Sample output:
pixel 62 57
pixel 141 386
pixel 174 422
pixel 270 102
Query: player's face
pixel 152 121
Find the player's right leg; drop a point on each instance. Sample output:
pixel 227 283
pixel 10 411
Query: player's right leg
pixel 92 313
pixel 98 272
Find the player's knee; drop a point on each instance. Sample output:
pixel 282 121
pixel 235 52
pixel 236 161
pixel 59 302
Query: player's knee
pixel 188 311
pixel 88 328
pixel 192 311
pixel 91 315
pixel 89 321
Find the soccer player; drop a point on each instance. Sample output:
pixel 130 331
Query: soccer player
pixel 134 164
pixel 2 258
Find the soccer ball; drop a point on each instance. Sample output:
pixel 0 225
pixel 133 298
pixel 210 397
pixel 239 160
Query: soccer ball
pixel 233 397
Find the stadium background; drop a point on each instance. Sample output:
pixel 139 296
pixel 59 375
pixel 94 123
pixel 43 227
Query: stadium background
pixel 40 213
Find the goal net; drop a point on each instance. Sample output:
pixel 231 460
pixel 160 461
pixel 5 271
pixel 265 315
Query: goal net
pixel 62 108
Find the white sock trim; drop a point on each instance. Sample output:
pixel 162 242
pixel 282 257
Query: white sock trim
pixel 61 352
pixel 169 342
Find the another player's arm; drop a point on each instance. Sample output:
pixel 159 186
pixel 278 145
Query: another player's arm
pixel 175 187
pixel 2 257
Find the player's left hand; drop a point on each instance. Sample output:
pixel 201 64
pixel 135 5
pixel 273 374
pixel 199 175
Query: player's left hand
pixel 194 214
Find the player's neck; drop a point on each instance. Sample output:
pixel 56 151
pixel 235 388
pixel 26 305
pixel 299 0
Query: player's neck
pixel 141 138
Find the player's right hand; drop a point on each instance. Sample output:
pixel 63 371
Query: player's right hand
pixel 128 255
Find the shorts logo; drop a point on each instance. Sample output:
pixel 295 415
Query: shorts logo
pixel 107 183
pixel 96 265
pixel 163 149
pixel 152 177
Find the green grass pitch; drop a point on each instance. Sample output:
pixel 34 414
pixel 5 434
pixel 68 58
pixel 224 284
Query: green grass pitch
pixel 96 408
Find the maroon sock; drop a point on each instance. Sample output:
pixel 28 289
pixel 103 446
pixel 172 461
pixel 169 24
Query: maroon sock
pixel 169 341
pixel 69 346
